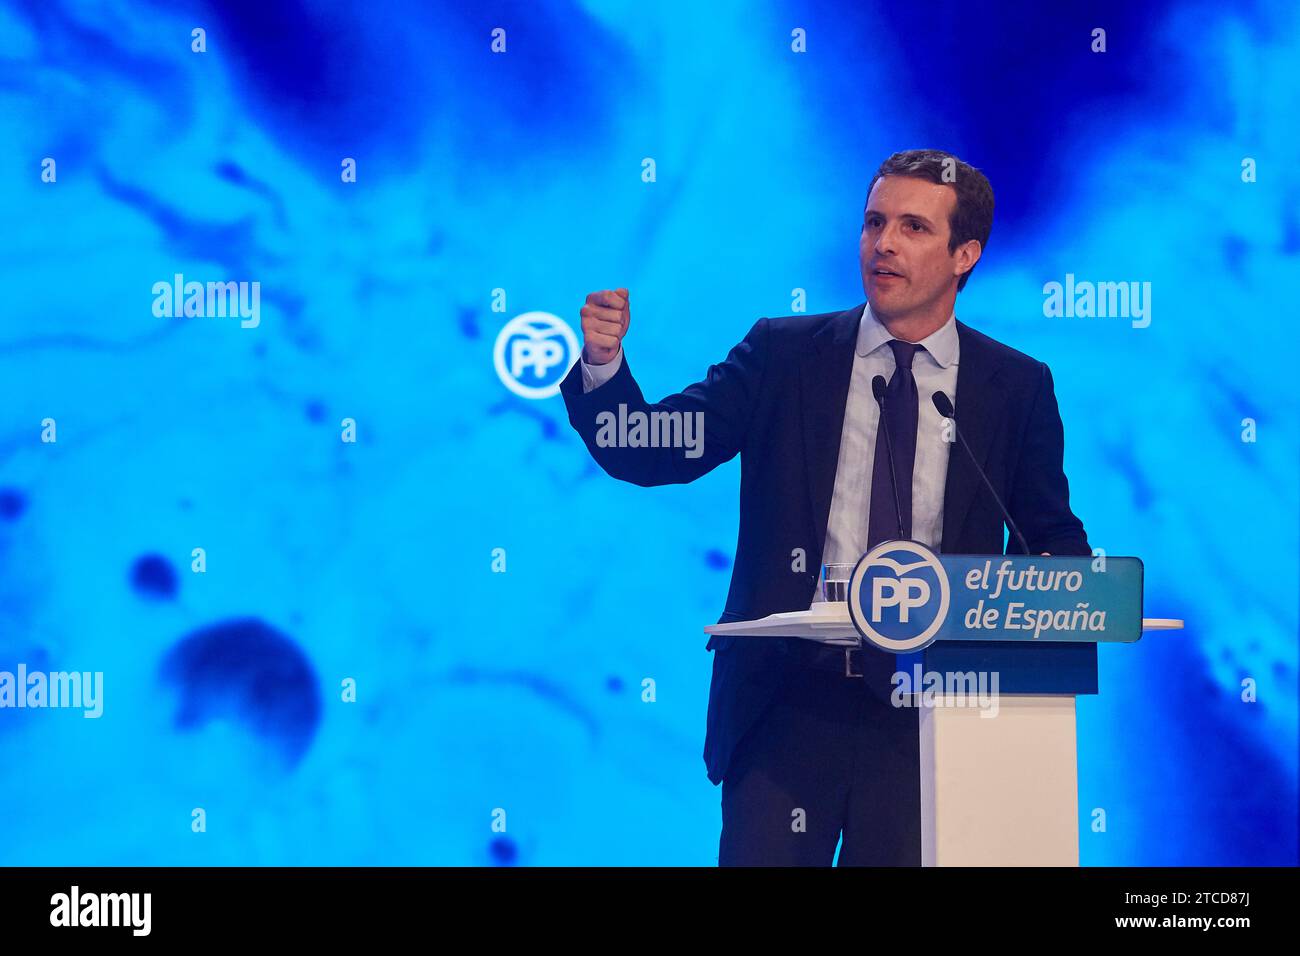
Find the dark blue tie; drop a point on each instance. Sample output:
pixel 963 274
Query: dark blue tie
pixel 900 415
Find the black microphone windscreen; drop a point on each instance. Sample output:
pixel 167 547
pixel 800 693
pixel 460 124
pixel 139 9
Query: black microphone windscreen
pixel 943 404
pixel 878 387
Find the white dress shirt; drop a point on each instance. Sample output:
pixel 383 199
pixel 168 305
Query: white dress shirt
pixel 935 369
pixel 594 376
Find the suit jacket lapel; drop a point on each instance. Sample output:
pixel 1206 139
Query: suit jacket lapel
pixel 824 377
pixel 978 409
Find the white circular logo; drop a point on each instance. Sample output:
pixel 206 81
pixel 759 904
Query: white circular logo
pixel 898 596
pixel 533 353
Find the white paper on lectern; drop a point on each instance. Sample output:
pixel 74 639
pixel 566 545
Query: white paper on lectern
pixel 827 622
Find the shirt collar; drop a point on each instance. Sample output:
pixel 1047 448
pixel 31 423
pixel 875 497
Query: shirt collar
pixel 941 344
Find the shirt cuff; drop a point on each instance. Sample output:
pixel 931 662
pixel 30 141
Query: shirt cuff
pixel 594 376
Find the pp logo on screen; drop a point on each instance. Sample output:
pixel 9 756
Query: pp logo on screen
pixel 533 353
pixel 898 596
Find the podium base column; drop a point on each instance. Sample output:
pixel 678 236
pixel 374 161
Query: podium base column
pixel 1000 790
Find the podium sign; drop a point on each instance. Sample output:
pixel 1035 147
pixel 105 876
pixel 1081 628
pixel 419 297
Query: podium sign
pixel 902 597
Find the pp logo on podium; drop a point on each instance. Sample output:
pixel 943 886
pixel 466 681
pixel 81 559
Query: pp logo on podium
pixel 898 596
pixel 533 352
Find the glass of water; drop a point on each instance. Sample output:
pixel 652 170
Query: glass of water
pixel 835 581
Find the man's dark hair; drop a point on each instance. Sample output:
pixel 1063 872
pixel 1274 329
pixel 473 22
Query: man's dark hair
pixel 972 217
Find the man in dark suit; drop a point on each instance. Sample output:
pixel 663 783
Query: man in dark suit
pixel 801 736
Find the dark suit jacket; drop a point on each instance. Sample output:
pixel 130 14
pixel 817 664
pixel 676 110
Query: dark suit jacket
pixel 778 401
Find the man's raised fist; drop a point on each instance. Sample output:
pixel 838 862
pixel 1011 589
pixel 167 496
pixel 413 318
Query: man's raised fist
pixel 605 319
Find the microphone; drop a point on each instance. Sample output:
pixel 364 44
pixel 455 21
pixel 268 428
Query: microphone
pixel 944 406
pixel 878 390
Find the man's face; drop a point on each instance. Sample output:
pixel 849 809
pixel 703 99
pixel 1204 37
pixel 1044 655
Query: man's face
pixel 903 250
